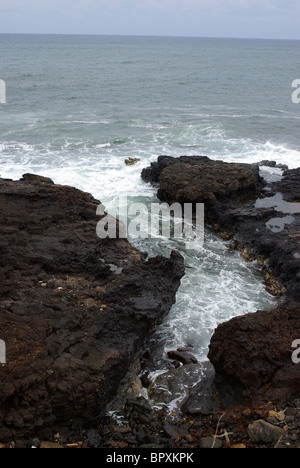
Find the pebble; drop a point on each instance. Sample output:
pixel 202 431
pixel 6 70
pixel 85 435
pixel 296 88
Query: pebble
pixel 210 442
pixel 36 443
pixel 50 445
pixel 262 432
pixel 172 431
pixel 119 429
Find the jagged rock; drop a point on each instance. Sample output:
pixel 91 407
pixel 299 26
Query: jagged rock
pixel 131 161
pixel 71 325
pixel 252 353
pixel 199 179
pixel 256 351
pixel 35 179
pixel 152 174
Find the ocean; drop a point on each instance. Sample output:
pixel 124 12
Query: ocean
pixel 78 106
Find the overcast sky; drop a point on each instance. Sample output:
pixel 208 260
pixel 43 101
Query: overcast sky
pixel 203 18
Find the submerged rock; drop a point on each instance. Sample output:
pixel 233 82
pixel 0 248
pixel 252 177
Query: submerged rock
pixel 182 356
pixel 71 325
pixel 131 161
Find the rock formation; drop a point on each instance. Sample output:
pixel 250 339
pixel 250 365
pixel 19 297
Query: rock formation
pixel 74 309
pixel 253 352
pixel 199 179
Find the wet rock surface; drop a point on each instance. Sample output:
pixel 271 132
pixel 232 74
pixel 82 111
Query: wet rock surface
pixel 256 351
pixel 253 353
pixel 76 319
pixel 72 324
pixel 183 356
pixel 199 179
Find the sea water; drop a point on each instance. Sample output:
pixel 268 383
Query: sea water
pixel 78 106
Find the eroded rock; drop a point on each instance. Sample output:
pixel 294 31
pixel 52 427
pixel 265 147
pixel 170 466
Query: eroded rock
pixel 253 352
pixel 70 324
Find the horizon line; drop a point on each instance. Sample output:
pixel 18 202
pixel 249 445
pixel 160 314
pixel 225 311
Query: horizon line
pixel 146 36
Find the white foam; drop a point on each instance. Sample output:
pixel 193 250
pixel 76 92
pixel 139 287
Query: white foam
pixel 218 284
pixel 271 174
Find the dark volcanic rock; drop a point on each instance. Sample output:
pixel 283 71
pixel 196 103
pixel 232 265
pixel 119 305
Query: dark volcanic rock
pixel 289 185
pixel 262 342
pixel 199 179
pixel 212 395
pixel 254 351
pixel 71 326
pixel 152 174
pixel 253 225
pixel 262 432
pixel 182 356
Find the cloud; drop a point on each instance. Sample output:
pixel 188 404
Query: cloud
pixel 152 5
pixel 259 7
pixel 153 17
pixel 218 5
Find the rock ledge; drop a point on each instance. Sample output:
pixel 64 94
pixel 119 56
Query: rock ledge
pixel 71 325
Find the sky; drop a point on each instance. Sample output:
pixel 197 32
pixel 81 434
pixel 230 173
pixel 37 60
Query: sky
pixel 270 19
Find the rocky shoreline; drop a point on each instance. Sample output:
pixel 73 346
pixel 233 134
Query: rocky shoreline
pixel 254 352
pixel 76 311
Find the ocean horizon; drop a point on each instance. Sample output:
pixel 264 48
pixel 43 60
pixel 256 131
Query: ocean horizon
pixel 149 36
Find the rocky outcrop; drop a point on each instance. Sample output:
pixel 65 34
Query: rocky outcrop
pixel 265 224
pixel 254 352
pixel 74 309
pixel 199 179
